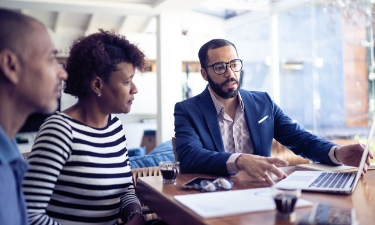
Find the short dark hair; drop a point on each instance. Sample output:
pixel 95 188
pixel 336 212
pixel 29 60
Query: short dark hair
pixel 213 44
pixel 97 55
pixel 14 27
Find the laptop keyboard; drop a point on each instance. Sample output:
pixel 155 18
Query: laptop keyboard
pixel 331 180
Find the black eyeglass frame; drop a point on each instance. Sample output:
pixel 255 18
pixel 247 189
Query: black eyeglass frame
pixel 226 67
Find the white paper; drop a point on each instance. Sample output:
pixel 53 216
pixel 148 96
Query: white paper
pixel 224 203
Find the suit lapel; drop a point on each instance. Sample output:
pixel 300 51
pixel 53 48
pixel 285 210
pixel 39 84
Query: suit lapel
pixel 252 121
pixel 209 112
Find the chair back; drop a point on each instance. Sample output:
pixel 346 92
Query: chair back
pixel 145 172
pixel 282 152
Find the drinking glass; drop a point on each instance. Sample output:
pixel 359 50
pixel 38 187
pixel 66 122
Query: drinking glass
pixel 169 171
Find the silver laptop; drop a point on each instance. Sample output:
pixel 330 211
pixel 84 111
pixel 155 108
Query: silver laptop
pixel 327 181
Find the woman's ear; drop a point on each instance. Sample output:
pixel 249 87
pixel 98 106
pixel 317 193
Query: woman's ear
pixel 97 85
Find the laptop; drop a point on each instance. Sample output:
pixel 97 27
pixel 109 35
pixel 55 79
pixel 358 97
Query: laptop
pixel 328 181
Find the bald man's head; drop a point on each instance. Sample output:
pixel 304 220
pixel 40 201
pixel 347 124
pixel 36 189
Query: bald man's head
pixel 14 28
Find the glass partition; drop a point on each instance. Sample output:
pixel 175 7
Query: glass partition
pixel 324 75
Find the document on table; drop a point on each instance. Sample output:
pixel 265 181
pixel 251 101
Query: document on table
pixel 324 167
pixel 224 203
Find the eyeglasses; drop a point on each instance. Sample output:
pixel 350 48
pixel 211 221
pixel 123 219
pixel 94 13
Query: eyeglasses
pixel 221 67
pixel 209 186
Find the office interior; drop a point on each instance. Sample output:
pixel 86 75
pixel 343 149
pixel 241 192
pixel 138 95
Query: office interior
pixel 314 57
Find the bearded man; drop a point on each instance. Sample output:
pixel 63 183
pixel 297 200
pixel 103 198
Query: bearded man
pixel 226 129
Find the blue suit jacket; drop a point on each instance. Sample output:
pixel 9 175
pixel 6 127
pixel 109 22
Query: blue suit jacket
pixel 200 145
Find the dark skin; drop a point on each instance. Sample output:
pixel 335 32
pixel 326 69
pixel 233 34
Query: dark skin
pixel 136 219
pixel 105 98
pixel 21 73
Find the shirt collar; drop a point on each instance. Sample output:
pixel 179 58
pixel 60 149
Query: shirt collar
pixel 218 106
pixel 8 148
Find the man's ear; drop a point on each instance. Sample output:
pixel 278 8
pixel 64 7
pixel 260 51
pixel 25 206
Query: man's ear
pixel 204 74
pixel 10 66
pixel 97 85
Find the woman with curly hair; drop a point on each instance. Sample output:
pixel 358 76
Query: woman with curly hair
pixel 79 166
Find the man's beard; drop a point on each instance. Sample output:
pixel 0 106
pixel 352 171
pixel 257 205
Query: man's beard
pixel 218 88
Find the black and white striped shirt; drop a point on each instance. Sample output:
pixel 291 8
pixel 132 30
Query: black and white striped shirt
pixel 78 174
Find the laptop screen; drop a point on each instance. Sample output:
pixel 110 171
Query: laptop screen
pixel 365 152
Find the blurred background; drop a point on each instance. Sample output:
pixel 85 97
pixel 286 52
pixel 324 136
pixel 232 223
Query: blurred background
pixel 314 57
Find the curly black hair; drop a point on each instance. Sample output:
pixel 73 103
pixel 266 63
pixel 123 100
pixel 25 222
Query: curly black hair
pixel 97 55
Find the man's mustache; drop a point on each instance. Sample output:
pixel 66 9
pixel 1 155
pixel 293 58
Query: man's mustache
pixel 232 79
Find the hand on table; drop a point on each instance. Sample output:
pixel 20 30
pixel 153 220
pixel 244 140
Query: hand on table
pixel 135 220
pixel 260 168
pixel 351 155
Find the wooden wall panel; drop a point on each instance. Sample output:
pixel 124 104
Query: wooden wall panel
pixel 355 73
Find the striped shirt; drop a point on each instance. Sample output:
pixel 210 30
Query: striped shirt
pixel 78 174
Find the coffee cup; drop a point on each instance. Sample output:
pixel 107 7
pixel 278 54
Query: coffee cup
pixel 169 171
pixel 285 201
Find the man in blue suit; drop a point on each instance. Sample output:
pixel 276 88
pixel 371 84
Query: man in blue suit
pixel 226 129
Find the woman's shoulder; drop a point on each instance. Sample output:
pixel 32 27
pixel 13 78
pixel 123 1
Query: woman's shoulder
pixel 58 115
pixel 63 119
pixel 57 119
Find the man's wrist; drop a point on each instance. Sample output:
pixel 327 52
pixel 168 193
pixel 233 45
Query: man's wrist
pixel 231 163
pixel 333 154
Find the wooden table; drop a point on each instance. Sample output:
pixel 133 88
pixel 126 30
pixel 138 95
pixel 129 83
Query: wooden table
pixel 159 198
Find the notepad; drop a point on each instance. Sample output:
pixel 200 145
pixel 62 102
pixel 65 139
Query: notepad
pixel 324 167
pixel 225 203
